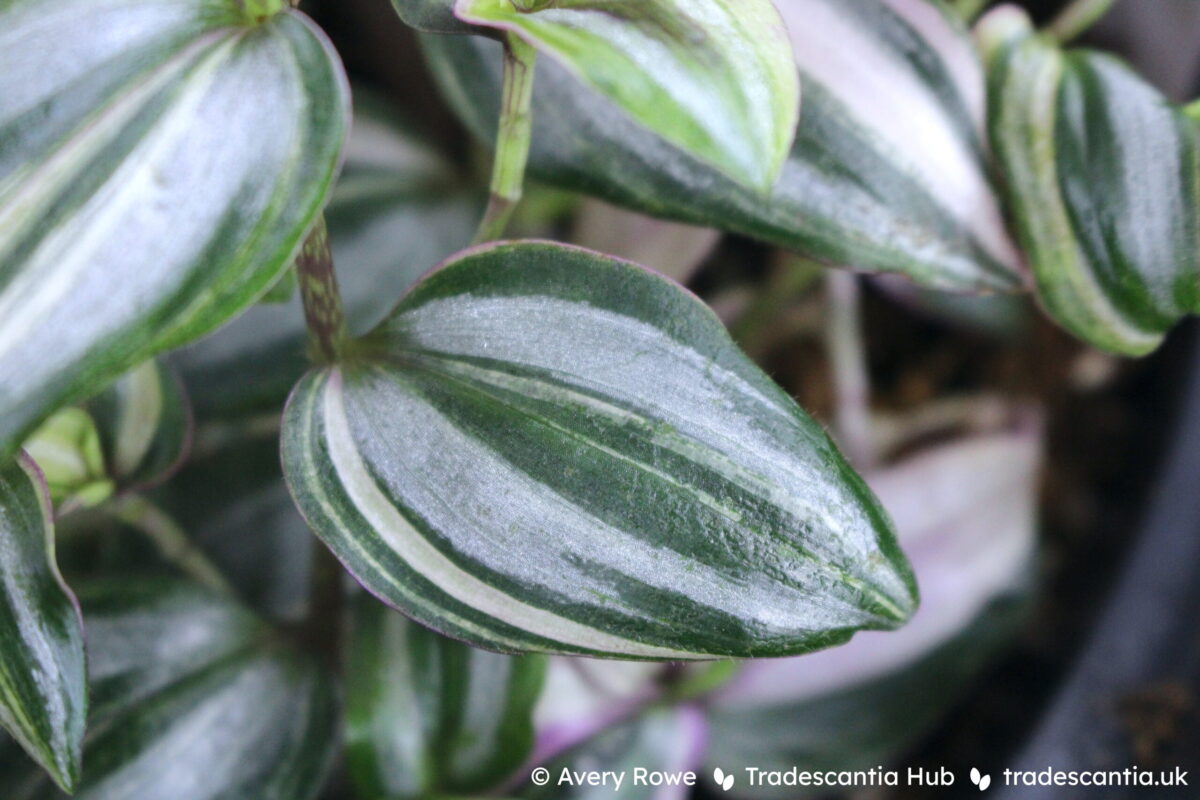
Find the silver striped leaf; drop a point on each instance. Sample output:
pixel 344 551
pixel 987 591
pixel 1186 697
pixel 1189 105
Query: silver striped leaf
pixel 888 171
pixel 192 699
pixel 398 207
pixel 152 184
pixel 713 77
pixel 43 681
pixel 1104 185
pixel 545 449
pixel 429 716
pixel 966 513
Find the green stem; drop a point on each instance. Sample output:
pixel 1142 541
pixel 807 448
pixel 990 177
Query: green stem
pixel 172 542
pixel 969 9
pixel 513 135
pixel 848 361
pixel 319 292
pixel 1077 17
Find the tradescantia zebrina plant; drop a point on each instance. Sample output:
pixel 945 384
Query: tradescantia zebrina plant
pixel 539 449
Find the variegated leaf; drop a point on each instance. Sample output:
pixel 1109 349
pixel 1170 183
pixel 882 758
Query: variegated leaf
pixel 43 682
pixel 152 185
pixel 966 515
pixel 193 699
pixel 68 450
pixel 427 715
pixel 145 425
pixel 713 77
pixel 235 507
pixel 130 436
pixel 1104 183
pixel 433 16
pixel 888 171
pixel 398 208
pixel 544 449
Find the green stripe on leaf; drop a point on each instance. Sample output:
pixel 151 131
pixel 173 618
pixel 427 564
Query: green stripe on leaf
pixel 151 186
pixel 543 449
pixel 43 681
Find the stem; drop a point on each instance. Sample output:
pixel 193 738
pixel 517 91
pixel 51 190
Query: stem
pixel 513 135
pixel 969 9
pixel 847 356
pixel 319 292
pixel 172 542
pixel 1077 17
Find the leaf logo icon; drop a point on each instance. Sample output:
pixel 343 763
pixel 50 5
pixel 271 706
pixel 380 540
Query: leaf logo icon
pixel 982 781
pixel 722 780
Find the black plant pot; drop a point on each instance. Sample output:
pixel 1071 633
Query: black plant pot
pixel 1132 696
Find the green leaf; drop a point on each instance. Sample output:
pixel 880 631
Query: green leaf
pixel 966 514
pixel 1104 180
pixel 397 208
pixel 544 449
pixel 152 185
pixel 145 425
pixel 433 16
pixel 235 507
pixel 193 699
pixel 713 77
pixel 888 171
pixel 43 681
pixel 427 715
pixel 131 436
pixel 67 449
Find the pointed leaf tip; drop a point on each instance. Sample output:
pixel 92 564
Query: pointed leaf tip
pixel 545 449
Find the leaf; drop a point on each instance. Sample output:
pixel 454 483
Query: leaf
pixel 1103 178
pixel 194 699
pixel 428 715
pixel 887 172
pixel 152 185
pixel 43 680
pixel 715 78
pixel 145 425
pixel 433 16
pixel 966 515
pixel 543 449
pixel 67 450
pixel 235 507
pixel 397 208
pixel 669 740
